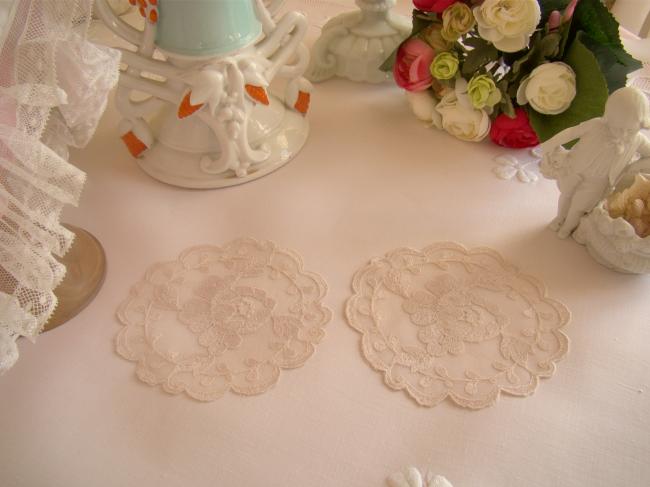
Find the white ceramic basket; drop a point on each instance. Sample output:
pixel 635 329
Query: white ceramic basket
pixel 613 242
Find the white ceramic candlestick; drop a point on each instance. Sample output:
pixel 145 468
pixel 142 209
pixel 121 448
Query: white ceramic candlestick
pixel 210 120
pixel 354 45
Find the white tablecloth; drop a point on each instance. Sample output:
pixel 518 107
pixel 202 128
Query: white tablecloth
pixel 371 178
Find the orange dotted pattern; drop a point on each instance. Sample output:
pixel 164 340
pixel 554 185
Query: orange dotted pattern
pixel 148 9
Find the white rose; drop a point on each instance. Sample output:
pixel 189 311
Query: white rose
pixel 508 24
pixel 423 106
pixel 550 88
pixel 460 118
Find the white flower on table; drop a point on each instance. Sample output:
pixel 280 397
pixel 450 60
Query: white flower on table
pixel 411 477
pixel 508 167
pixel 508 24
pixel 550 88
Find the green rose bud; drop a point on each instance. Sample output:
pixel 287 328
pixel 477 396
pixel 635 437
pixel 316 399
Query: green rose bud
pixel 457 19
pixel 483 92
pixel 444 65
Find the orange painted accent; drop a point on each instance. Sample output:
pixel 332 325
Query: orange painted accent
pixel 185 109
pixel 142 12
pixel 135 145
pixel 153 16
pixel 257 93
pixel 142 3
pixel 132 2
pixel 153 2
pixel 302 103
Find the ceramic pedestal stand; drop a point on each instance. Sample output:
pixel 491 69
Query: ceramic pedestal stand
pixel 354 45
pixel 209 120
pixel 85 265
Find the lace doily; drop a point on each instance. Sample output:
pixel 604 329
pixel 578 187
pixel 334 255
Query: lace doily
pixel 53 89
pixel 223 318
pixel 450 322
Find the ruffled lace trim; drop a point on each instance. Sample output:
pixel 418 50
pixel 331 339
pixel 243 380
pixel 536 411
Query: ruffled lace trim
pixel 53 90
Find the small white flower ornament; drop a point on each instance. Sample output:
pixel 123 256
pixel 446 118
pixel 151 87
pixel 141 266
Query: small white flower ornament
pixel 411 477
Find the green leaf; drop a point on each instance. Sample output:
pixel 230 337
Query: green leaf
pixel 387 65
pixel 549 46
pixel 591 94
pixel 517 65
pixel 475 42
pixel 565 32
pixel 615 63
pixel 422 20
pixel 482 53
pixel 592 17
pixel 507 107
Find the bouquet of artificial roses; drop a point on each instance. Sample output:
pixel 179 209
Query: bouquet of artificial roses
pixel 518 70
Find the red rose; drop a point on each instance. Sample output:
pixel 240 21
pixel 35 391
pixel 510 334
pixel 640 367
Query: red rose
pixel 437 6
pixel 513 132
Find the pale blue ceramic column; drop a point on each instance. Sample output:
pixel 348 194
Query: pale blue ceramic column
pixel 206 27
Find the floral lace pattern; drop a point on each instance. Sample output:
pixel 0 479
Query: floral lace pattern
pixel 447 322
pixel 223 318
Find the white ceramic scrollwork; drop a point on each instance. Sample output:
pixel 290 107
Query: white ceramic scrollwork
pixel 210 120
pixel 354 45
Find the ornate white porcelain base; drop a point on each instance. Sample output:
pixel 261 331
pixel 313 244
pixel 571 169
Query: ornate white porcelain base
pixel 186 151
pixel 354 45
pixel 209 120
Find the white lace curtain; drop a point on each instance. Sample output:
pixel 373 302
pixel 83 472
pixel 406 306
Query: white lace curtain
pixel 53 90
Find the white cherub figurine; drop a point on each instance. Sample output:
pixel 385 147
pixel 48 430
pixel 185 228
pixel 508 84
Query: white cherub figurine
pixel 606 145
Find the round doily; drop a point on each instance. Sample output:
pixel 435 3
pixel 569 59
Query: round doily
pixel 447 322
pixel 223 318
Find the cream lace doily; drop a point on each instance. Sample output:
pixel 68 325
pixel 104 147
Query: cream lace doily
pixel 223 318
pixel 450 322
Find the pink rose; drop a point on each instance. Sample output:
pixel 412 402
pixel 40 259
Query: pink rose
pixel 568 13
pixel 437 6
pixel 513 132
pixel 556 18
pixel 411 70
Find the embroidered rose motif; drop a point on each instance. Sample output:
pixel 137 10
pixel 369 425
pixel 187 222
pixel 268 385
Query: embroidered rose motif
pixel 443 301
pixel 221 313
pixel 452 315
pixel 446 309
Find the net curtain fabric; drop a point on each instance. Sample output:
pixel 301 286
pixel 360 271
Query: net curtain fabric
pixel 53 90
